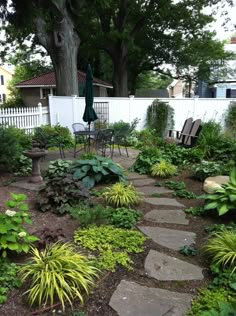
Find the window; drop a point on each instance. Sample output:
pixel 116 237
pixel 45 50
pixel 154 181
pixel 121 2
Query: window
pixel 44 92
pixel 2 80
pixel 3 97
pixel 228 93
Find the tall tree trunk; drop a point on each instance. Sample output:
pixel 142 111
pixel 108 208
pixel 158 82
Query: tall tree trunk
pixel 62 44
pixel 120 73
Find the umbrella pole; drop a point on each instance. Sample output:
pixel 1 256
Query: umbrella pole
pixel 89 138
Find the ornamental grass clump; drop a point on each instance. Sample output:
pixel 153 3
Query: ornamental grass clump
pixel 163 169
pixel 222 248
pixel 121 194
pixel 57 273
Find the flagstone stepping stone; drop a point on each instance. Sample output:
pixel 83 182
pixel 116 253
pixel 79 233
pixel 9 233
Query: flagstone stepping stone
pixel 154 190
pixel 142 182
pixel 163 201
pixel 167 216
pixel 132 299
pixel 166 268
pixel 135 175
pixel 170 238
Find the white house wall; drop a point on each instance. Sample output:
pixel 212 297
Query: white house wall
pixel 69 110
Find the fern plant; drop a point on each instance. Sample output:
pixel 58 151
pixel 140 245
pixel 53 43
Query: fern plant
pixel 222 248
pixel 57 272
pixel 163 169
pixel 121 194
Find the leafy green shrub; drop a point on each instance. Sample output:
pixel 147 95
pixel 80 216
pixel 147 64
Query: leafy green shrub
pixel 22 166
pixel 125 128
pixel 207 300
pixel 13 235
pixel 96 170
pixel 60 193
pixel 160 117
pixel 230 118
pixel 58 272
pixel 146 138
pixel 188 250
pixel 50 136
pixel 207 169
pixel 163 169
pixel 123 217
pixel 195 211
pixel 146 159
pixel 113 244
pixel 13 142
pixel 214 228
pixel 223 199
pixel 222 278
pixel 221 247
pixel 223 309
pixel 8 279
pixel 185 194
pixel 121 194
pixel 175 185
pixel 58 168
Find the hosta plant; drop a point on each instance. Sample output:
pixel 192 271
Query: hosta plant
pixel 13 235
pixel 96 170
pixel 57 273
pixel 163 169
pixel 121 194
pixel 57 168
pixel 223 199
pixel 221 246
pixel 207 169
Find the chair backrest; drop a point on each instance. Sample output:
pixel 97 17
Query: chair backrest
pixel 194 132
pixel 186 128
pixel 78 127
pixel 104 136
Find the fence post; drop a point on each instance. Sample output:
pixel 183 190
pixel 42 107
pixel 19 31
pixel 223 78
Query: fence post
pixel 73 108
pixel 40 113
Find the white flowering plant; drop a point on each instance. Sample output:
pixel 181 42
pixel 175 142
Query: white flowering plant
pixel 13 235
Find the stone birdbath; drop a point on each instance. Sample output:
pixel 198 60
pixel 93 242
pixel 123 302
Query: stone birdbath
pixel 35 154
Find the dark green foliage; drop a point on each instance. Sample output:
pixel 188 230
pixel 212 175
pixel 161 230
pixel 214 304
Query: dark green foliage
pixel 223 309
pixel 185 194
pixel 96 170
pixel 147 138
pixel 179 188
pixel 214 228
pixel 50 136
pixel 124 217
pixel 223 199
pixel 160 117
pixel 230 118
pixel 188 250
pixel 8 278
pixel 207 169
pixel 60 193
pixel 13 142
pixel 146 159
pixel 223 278
pixel 22 166
pixel 195 211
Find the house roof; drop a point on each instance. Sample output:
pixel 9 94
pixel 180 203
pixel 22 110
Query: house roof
pixel 49 80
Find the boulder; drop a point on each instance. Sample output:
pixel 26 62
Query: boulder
pixel 213 183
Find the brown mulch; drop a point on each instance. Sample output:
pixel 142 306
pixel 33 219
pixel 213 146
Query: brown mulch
pixel 98 301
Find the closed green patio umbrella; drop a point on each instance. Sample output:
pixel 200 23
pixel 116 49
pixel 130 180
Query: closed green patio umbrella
pixel 89 113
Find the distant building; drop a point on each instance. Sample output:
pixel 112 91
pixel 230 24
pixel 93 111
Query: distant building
pixel 180 89
pixel 37 89
pixel 152 93
pixel 6 74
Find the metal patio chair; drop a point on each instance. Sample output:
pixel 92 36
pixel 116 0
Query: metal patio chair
pixel 120 139
pixel 79 139
pixel 104 141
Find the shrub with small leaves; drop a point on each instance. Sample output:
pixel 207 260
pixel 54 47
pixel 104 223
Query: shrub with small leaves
pixel 207 169
pixel 123 217
pixel 58 168
pixel 195 210
pixel 121 194
pixel 163 169
pixel 188 250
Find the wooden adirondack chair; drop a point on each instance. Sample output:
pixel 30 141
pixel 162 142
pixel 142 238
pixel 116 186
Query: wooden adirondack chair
pixel 189 139
pixel 177 136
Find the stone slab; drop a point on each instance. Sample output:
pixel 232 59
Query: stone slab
pixel 163 201
pixel 132 299
pixel 212 183
pixel 170 238
pixel 166 268
pixel 24 184
pixel 143 182
pixel 154 190
pixel 135 175
pixel 167 216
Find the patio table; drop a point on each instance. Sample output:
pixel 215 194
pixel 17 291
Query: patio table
pixel 87 137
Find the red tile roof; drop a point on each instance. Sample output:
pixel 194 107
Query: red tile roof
pixel 48 79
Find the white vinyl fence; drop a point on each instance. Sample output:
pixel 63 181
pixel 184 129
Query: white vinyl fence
pixel 24 118
pixel 69 110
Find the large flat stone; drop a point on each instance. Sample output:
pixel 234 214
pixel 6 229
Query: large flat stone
pixel 167 216
pixel 132 299
pixel 135 175
pixel 163 201
pixel 142 182
pixel 166 268
pixel 212 183
pixel 170 238
pixel 154 190
pixel 24 184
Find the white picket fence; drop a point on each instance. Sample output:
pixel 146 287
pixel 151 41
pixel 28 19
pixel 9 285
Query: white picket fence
pixel 25 118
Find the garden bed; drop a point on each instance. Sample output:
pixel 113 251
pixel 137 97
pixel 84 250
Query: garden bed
pixel 98 301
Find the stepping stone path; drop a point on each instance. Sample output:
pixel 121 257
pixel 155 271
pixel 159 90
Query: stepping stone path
pixel 133 299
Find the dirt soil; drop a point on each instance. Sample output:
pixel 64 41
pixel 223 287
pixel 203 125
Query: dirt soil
pixel 98 301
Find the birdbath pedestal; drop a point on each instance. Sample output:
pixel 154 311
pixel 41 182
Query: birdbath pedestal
pixel 35 154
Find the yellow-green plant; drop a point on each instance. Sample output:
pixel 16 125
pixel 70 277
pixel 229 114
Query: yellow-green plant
pixel 57 272
pixel 222 248
pixel 163 169
pixel 121 194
